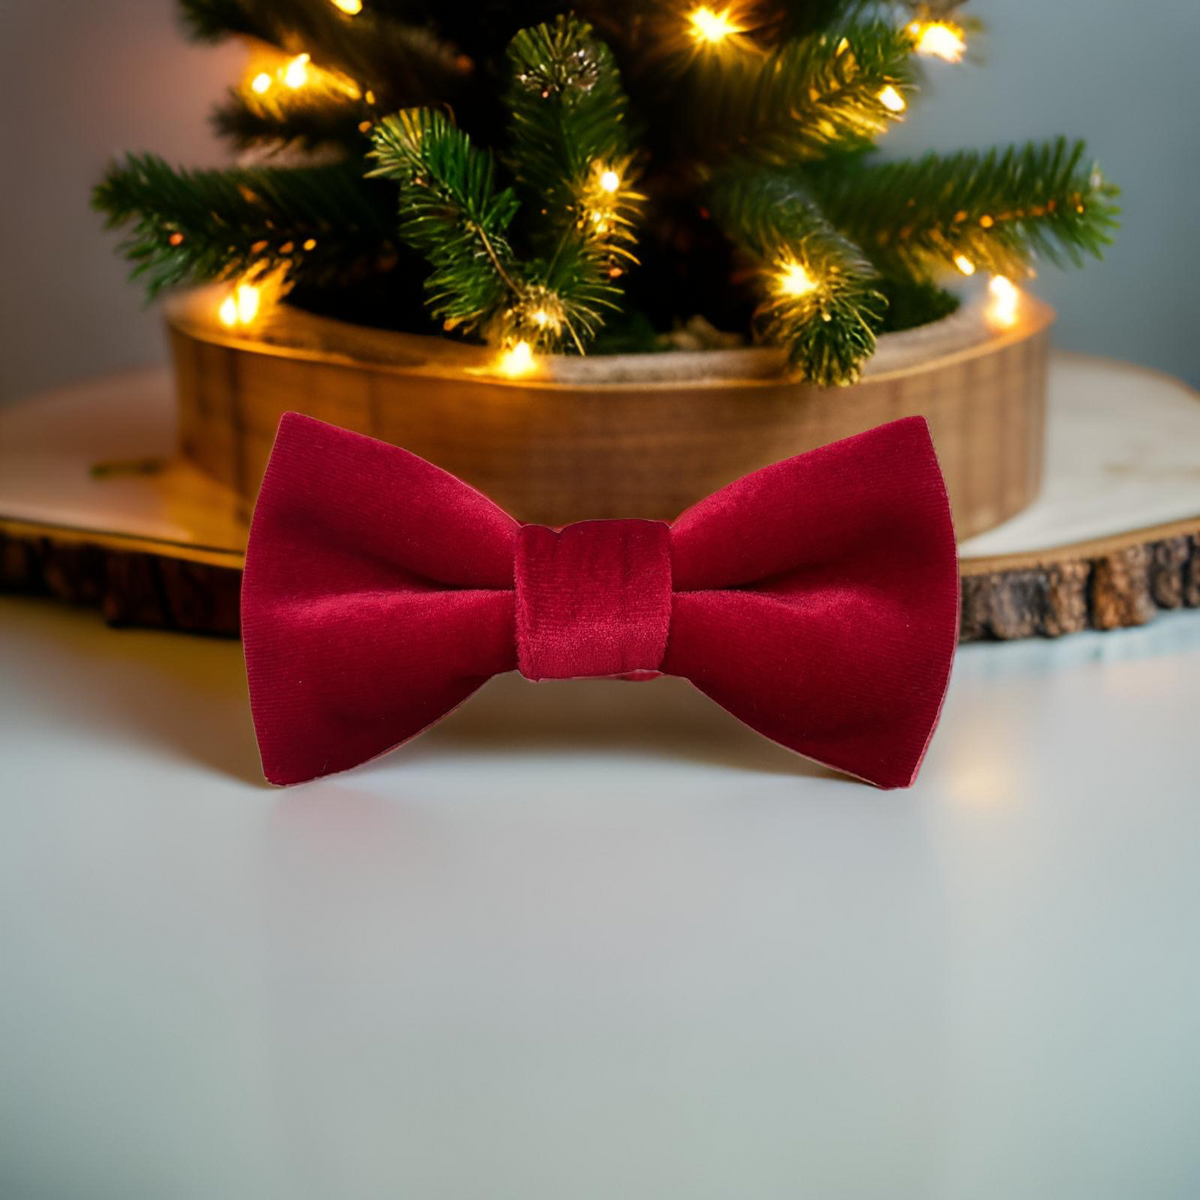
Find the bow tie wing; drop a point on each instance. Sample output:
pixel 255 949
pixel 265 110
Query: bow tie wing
pixel 377 596
pixel 818 601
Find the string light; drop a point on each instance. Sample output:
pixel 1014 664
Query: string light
pixel 793 279
pixel 248 300
pixel 295 74
pixel 892 100
pixel 269 80
pixel 517 360
pixel 1004 301
pixel 241 306
pixel 350 7
pixel 939 39
pixel 713 27
pixel 964 264
pixel 603 194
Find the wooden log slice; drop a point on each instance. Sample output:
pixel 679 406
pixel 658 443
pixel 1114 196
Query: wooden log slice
pixel 1105 586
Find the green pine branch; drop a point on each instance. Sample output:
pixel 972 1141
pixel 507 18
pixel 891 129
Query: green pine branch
pixel 803 20
pixel 570 148
pixel 402 63
pixel 320 226
pixel 300 117
pixel 821 298
pixel 567 110
pixel 216 20
pixel 570 151
pixel 451 212
pixel 813 95
pixel 998 210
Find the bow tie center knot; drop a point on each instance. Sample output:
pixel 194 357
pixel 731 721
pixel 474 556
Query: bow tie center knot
pixel 593 598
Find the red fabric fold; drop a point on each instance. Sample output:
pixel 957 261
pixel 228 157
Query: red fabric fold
pixel 816 600
pixel 593 599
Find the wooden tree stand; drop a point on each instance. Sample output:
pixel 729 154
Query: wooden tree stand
pixel 640 435
pixel 97 507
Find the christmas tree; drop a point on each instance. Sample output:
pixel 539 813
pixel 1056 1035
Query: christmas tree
pixel 555 179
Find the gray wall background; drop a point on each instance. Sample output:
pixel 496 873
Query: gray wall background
pixel 81 80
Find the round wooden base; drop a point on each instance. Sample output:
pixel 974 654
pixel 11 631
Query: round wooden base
pixel 628 435
pixel 96 508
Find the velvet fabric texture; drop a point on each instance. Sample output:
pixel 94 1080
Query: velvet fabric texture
pixel 817 600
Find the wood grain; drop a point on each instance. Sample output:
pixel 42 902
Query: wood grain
pixel 1109 586
pixel 130 587
pixel 588 438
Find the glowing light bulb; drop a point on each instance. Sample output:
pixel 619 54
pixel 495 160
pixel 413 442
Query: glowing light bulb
pixel 516 361
pixel 794 280
pixel 261 82
pixel 350 7
pixel 964 264
pixel 541 318
pixel 295 74
pixel 713 27
pixel 1004 300
pixel 247 297
pixel 892 100
pixel 241 306
pixel 609 181
pixel 939 39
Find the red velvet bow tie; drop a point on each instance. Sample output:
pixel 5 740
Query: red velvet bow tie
pixel 816 600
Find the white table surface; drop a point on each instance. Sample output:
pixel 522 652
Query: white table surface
pixel 595 941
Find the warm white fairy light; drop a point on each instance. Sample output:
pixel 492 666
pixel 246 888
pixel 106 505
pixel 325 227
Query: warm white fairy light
pixel 295 74
pixel 241 306
pixel 713 27
pixel 892 100
pixel 517 360
pixel 350 7
pixel 601 195
pixel 248 299
pixel 793 279
pixel 269 80
pixel 1004 302
pixel 939 39
pixel 964 264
